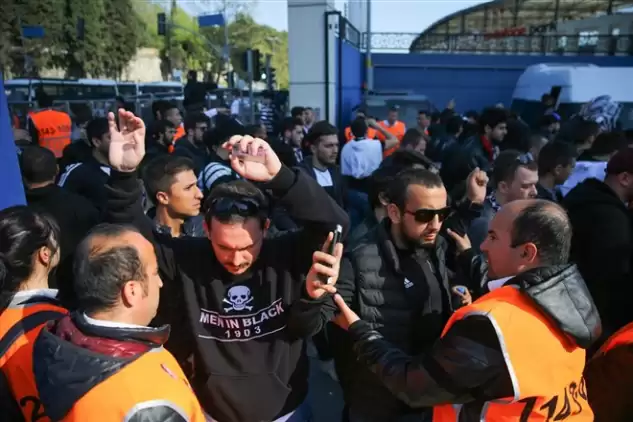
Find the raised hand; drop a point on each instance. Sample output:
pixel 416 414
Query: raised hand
pixel 326 266
pixel 476 186
pixel 253 158
pixel 127 142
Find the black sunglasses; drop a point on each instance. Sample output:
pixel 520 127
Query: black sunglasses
pixel 525 159
pixel 244 207
pixel 427 215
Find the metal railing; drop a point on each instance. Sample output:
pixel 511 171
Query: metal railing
pixel 558 44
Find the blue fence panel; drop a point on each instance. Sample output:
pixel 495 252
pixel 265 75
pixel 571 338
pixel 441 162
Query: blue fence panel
pixel 12 191
pixel 473 80
pixel 351 83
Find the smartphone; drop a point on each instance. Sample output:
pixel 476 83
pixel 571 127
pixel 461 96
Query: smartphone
pixel 338 234
pixel 461 289
pixel 260 157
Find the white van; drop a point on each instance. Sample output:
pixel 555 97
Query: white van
pixel 572 85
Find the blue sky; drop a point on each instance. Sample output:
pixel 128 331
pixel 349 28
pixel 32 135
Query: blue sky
pixel 387 15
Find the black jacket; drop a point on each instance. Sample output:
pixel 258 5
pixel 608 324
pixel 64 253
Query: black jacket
pixel 88 179
pixel 461 159
pixel 197 153
pixel 250 360
pixel 406 301
pixel 602 246
pixel 75 216
pixel 467 366
pixel 66 370
pixel 338 190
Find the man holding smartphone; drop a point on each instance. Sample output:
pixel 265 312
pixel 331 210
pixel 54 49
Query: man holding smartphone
pixel 229 296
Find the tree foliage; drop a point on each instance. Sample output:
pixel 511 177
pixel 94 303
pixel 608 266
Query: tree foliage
pixel 115 29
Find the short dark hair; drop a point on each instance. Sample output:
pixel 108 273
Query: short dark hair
pixel 192 120
pixel 236 190
pixel 555 154
pixel 398 188
pixel 160 173
pixel 165 106
pixel 492 117
pixel 608 143
pixel 380 180
pixel 160 126
pixel 578 131
pixel 425 112
pixel 506 164
pixel 253 129
pixel 454 125
pixel 159 106
pixel 545 224
pixel 290 123
pixel 320 129
pixel 412 138
pixel 100 273
pixel 37 164
pixel 96 128
pixel 296 111
pixel 549 119
pixel 359 127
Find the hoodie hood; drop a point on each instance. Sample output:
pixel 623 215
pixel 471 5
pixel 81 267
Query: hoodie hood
pixel 562 294
pixel 584 170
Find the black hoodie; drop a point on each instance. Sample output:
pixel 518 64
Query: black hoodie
pixel 250 361
pixel 602 246
pixel 467 364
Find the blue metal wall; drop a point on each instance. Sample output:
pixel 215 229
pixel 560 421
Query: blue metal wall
pixel 474 81
pixel 12 191
pixel 350 81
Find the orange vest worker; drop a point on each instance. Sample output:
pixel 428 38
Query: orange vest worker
pixel 544 365
pixel 53 128
pixel 622 337
pixel 154 378
pixel 371 133
pixel 397 129
pixel 16 359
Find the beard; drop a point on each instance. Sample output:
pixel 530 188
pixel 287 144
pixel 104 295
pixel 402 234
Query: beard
pixel 415 242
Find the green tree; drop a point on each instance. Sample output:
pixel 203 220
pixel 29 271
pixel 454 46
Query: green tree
pixel 45 52
pixel 190 48
pixel 122 36
pixel 8 26
pixel 85 57
pixel 148 18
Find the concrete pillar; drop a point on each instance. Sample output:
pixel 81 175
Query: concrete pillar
pixel 357 14
pixel 307 56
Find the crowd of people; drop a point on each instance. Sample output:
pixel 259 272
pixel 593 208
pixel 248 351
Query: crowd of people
pixel 176 270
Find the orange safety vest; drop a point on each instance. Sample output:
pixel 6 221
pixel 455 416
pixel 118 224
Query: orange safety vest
pixel 622 337
pixel 180 132
pixel 54 129
pixel 371 133
pixel 544 365
pixel 16 362
pixel 397 129
pixel 153 377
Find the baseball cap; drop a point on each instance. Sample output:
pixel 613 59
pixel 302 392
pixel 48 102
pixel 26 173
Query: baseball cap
pixel 621 162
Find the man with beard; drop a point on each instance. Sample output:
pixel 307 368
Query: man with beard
pixel 89 177
pixel 395 278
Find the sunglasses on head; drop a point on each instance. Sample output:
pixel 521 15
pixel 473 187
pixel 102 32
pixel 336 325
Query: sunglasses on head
pixel 427 215
pixel 525 159
pixel 244 207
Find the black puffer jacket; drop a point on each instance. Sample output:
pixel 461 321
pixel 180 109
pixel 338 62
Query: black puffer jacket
pixel 467 365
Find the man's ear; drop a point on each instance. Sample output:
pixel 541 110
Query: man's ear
pixel 162 198
pixel 394 214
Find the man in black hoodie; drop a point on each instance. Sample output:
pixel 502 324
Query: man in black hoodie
pixel 602 245
pixel 518 352
pixel 231 292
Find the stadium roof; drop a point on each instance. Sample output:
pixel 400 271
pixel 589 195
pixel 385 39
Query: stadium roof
pixel 502 14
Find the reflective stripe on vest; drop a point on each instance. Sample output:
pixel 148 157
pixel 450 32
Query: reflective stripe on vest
pixel 153 380
pixel 19 326
pixel 622 337
pixel 54 129
pixel 545 367
pixel 397 129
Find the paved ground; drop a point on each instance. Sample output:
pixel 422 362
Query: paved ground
pixel 325 393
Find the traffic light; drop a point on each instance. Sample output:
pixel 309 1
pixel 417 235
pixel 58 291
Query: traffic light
pixel 272 79
pixel 257 66
pixel 162 24
pixel 81 29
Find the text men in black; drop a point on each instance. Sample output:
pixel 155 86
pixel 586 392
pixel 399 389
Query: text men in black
pixel 236 287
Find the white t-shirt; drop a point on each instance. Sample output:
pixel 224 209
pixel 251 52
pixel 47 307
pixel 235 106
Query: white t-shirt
pixel 360 158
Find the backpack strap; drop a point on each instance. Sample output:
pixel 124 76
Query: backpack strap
pixel 24 326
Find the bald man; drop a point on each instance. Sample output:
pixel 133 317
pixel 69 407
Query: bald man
pixel 104 362
pixel 518 352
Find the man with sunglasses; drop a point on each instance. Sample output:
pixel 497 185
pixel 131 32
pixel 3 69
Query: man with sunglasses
pixel 229 297
pixel 395 277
